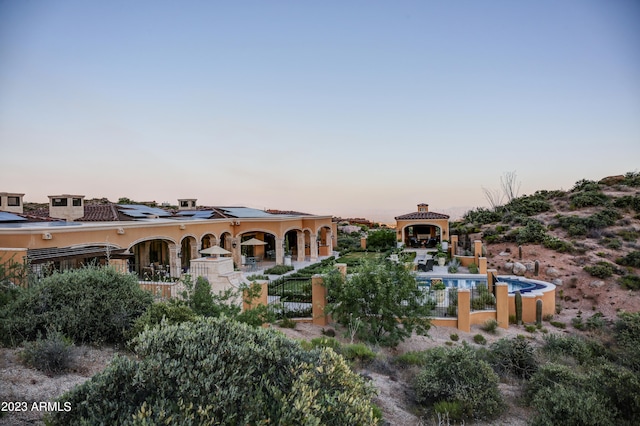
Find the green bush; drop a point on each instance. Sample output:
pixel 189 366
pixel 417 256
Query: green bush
pixel 480 339
pixel 557 244
pixel 52 354
pixel 278 270
pixel 627 334
pixel 629 234
pixel 632 259
pixel 601 269
pixel 89 305
pixel 533 231
pixel 216 371
pixel 172 312
pixel 559 347
pixel 630 282
pixel 490 326
pixel 588 199
pixel 514 357
pixel 628 201
pixel 357 351
pixel 381 239
pixel 412 358
pixel 458 375
pixel 528 205
pixel 384 296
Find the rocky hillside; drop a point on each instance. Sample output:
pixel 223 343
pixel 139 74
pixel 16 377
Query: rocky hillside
pixel 585 240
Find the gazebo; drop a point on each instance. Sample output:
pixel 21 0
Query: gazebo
pixel 422 229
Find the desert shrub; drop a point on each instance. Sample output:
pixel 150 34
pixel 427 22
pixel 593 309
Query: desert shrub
pixel 51 354
pixel 533 231
pixel 557 244
pixel 384 296
pixel 530 328
pixel 172 312
pixel 585 185
pixel 621 387
pixel 558 324
pixel 278 270
pixel 576 225
pixel 514 357
pixel 570 405
pixel 528 205
pixel 612 243
pixel 88 305
pixel 632 259
pixel 630 234
pixel 490 326
pixel 627 201
pixel 480 339
pixel 482 216
pixel 473 268
pixel 287 323
pixel 627 334
pixel 357 351
pixel 595 322
pixel 449 410
pixel 381 239
pixel 454 337
pixel 632 179
pixel 454 265
pixel 558 347
pixel 588 199
pixel 216 371
pixel 601 269
pixel 630 282
pixel 412 358
pixel 458 375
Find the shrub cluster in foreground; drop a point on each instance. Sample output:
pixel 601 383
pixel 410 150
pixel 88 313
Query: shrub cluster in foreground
pixel 88 305
pixel 219 371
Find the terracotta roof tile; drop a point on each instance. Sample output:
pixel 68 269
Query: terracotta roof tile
pixel 422 215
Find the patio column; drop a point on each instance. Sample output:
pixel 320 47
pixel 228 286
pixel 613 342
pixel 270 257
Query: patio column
pixel 300 245
pixel 195 250
pixel 174 261
pixel 313 247
pixel 279 251
pixel 235 252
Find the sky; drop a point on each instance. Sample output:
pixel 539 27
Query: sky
pixel 344 108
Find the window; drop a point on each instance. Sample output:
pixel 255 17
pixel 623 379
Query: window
pixel 59 202
pixel 77 202
pixel 13 201
pixel 184 203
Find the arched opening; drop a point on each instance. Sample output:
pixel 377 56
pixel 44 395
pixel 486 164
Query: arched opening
pixel 422 236
pixel 225 241
pixel 188 251
pixel 257 247
pixel 208 240
pixel 324 241
pixel 152 259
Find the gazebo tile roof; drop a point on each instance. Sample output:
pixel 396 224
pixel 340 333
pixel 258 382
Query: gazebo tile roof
pixel 422 215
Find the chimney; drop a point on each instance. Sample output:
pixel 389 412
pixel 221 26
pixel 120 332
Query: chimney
pixel 67 207
pixel 187 204
pixel 422 207
pixel 11 202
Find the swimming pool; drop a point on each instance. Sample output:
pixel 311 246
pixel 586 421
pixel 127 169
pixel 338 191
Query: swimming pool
pixel 514 283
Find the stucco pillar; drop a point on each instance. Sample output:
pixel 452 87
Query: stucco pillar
pixel 174 261
pixel 453 246
pixel 363 243
pixel 477 250
pixel 318 301
pixel 235 252
pixel 279 251
pixel 342 267
pixel 482 265
pixel 261 299
pixel 464 310
pixel 300 245
pixel 313 248
pixel 491 273
pixel 502 305
pixel 195 251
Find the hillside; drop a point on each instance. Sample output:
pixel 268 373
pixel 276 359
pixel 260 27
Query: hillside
pixel 586 241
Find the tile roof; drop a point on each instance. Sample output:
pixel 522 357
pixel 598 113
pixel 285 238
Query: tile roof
pixel 102 213
pixel 422 215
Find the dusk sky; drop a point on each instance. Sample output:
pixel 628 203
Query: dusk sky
pixel 347 108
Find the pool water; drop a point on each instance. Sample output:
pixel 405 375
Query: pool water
pixel 464 282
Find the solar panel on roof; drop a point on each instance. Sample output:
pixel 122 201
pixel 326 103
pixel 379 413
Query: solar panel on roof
pixel 10 217
pixel 244 212
pixel 141 211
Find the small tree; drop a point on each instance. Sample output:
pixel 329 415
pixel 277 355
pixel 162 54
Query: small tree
pixel 386 299
pixel 381 239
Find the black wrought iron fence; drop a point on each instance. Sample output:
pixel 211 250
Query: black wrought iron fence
pixel 482 299
pixel 291 297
